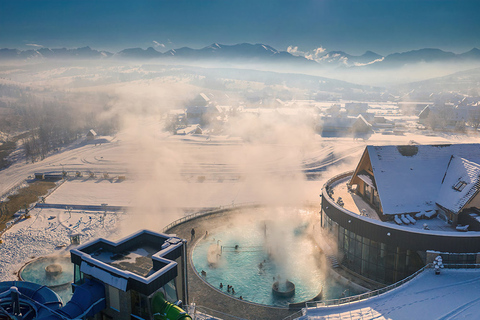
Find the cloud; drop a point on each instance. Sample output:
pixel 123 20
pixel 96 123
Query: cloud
pixel 319 50
pixel 34 45
pixel 358 64
pixel 315 54
pixel 158 44
pixel 294 50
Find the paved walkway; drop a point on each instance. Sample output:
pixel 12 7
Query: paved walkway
pixel 203 294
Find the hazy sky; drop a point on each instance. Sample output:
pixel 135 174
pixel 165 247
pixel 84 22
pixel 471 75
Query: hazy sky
pixel 383 26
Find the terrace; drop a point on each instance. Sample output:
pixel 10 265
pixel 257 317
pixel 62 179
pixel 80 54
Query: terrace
pixel 356 204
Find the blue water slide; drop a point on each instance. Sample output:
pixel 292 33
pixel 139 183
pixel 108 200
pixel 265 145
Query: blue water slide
pixel 87 300
pixel 41 297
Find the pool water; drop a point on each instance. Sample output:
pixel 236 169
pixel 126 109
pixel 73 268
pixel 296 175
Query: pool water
pixel 35 272
pixel 251 255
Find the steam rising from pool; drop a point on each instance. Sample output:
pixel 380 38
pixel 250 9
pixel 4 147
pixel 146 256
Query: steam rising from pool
pixel 251 255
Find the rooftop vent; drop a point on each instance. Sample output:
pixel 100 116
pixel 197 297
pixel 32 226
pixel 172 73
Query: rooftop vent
pixel 408 151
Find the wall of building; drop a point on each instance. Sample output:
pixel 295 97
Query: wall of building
pixel 474 202
pixel 371 259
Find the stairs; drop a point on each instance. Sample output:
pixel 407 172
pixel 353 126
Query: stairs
pixel 333 261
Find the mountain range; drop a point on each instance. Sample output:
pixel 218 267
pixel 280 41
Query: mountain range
pixel 250 52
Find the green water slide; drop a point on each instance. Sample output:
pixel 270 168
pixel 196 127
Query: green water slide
pixel 164 310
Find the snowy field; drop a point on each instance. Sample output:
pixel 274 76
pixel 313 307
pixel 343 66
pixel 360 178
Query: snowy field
pixel 47 233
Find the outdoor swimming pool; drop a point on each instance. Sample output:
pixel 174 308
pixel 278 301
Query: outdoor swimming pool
pixel 250 255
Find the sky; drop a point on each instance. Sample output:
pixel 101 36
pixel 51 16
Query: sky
pixel 354 26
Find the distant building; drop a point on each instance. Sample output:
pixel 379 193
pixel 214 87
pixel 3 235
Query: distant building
pixel 91 135
pixel 193 129
pixel 198 110
pixel 342 124
pixel 356 108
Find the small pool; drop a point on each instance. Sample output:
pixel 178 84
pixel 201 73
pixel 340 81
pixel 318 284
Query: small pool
pixel 35 272
pixel 251 255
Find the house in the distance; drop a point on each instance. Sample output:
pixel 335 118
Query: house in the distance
pixel 91 135
pixel 422 181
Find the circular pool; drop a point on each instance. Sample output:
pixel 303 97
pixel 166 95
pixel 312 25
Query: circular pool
pixel 253 251
pixel 48 271
pixel 53 272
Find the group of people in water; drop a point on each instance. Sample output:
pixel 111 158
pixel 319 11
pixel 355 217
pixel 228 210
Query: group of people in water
pixel 230 289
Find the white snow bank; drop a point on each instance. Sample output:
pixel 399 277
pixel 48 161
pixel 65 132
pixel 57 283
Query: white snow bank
pixel 451 295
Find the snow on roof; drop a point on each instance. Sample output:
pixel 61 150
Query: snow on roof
pixel 366 178
pixel 362 118
pixel 409 178
pixel 176 111
pixel 204 96
pixel 460 184
pixel 189 130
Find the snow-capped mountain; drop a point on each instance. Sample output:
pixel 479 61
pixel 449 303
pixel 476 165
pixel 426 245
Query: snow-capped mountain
pixel 62 53
pixel 255 53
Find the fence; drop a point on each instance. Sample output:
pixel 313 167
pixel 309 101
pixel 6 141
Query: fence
pixel 294 315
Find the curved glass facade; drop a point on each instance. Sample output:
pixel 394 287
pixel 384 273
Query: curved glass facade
pixel 373 260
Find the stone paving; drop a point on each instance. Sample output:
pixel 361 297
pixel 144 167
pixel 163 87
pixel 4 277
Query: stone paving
pixel 202 294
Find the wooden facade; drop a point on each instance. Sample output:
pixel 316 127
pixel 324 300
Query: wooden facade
pixel 364 180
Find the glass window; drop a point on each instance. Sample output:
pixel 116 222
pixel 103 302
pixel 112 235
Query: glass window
pixel 171 291
pixel 78 275
pixel 376 199
pixel 368 191
pixel 459 185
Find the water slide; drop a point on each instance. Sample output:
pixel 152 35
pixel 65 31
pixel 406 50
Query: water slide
pixel 27 300
pixel 13 292
pixel 87 300
pixel 164 310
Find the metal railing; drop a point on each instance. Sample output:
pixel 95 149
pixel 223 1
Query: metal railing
pixel 461 266
pixel 347 300
pixel 294 315
pixel 209 211
pixel 206 213
pixel 201 313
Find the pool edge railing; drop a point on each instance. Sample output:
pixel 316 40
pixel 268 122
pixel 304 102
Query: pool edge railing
pixel 209 211
pixel 208 313
pixel 213 210
pixel 366 295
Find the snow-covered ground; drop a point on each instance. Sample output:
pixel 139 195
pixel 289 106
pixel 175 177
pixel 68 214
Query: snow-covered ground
pixel 47 232
pixel 94 191
pixel 454 294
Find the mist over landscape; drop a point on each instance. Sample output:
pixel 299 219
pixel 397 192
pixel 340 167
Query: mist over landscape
pixel 120 117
